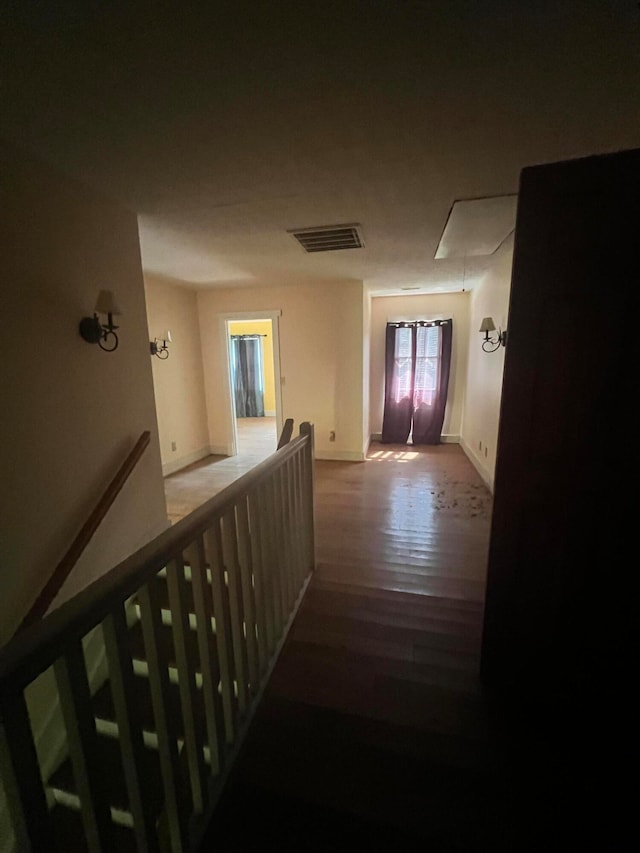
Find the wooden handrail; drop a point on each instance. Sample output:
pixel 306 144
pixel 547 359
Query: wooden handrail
pixel 66 564
pixel 285 435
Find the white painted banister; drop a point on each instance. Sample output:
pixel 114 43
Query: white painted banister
pixel 195 621
pixel 75 700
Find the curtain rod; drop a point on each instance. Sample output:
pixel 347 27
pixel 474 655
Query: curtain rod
pixel 408 323
pixel 250 336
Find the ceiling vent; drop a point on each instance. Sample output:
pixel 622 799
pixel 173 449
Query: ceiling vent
pixel 329 238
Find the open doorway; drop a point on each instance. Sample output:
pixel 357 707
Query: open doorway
pixel 252 350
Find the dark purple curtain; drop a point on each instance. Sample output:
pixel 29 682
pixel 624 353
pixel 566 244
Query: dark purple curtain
pixel 417 367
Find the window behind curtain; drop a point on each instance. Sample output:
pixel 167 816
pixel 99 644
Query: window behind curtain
pixel 426 373
pixel 402 372
pixel 417 365
pixel 427 355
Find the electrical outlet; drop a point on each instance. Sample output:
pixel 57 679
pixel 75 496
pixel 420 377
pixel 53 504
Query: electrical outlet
pixel 174 446
pixel 332 436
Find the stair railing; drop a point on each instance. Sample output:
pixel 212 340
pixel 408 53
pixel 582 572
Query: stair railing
pixel 285 435
pixel 236 571
pixel 66 564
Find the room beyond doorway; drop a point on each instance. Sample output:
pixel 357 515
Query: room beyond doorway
pixel 253 365
pixel 253 385
pixel 256 437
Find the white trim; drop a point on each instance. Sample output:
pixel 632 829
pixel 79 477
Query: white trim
pixel 340 455
pixel 241 317
pixel 203 821
pixel 247 316
pixel 451 438
pixel 183 461
pixel 50 735
pixel 477 463
pixel 217 450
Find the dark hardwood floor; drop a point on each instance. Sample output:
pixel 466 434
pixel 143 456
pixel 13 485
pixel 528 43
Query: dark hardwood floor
pixel 374 732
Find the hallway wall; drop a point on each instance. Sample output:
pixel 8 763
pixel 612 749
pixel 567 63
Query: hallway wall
pixel 321 359
pixel 71 411
pixel 178 381
pixel 484 370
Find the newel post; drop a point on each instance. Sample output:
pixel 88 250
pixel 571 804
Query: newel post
pixel 306 428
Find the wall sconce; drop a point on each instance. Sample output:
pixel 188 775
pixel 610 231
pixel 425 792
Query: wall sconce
pixel 103 334
pixel 492 344
pixel 161 349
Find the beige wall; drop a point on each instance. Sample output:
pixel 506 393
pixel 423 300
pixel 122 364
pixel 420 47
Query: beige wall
pixel 421 307
pixel 321 362
pixel 484 370
pixel 71 412
pixel 178 380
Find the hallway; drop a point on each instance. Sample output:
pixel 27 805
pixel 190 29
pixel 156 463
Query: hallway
pixel 373 732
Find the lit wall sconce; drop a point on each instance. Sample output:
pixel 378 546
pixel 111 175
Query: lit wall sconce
pixel 492 344
pixel 103 334
pixel 161 347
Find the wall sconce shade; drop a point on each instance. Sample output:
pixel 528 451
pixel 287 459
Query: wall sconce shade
pixel 104 334
pixel 492 344
pixel 106 303
pixel 160 347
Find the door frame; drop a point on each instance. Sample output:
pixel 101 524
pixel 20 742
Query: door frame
pixel 230 416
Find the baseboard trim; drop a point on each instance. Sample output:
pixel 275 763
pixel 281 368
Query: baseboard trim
pixel 450 439
pixel 220 450
pixel 475 460
pixel 178 464
pixel 340 456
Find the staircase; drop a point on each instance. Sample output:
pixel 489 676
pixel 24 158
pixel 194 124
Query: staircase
pixel 61 786
pixel 185 634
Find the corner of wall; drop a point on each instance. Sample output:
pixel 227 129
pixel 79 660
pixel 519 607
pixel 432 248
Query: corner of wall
pixel 485 474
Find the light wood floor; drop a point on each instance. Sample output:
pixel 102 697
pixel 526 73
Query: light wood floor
pixel 373 733
pixel 192 486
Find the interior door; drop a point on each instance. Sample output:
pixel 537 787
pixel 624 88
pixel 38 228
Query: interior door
pixel 557 568
pixel 561 616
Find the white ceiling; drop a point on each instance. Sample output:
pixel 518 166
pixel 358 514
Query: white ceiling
pixel 226 125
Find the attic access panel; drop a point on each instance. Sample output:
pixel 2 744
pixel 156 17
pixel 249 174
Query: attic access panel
pixel 329 238
pixel 477 226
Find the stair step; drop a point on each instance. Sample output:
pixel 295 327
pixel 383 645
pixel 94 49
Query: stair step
pixel 68 833
pixel 109 759
pixel 139 654
pixel 104 709
pixel 162 589
pixel 67 827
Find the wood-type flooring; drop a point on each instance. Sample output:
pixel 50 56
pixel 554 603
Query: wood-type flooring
pixel 189 488
pixel 374 732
